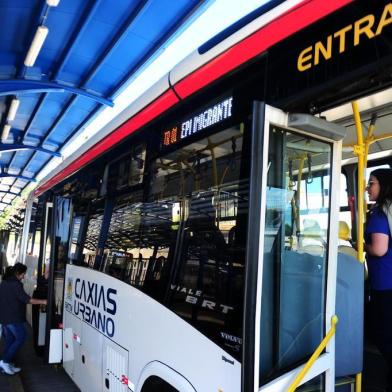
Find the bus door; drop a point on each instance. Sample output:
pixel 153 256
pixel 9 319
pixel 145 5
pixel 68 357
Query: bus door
pixel 295 172
pixel 55 250
pixel 44 217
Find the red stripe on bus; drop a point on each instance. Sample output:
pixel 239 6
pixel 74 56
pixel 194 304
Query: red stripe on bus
pixel 292 21
pixel 153 110
pixel 277 30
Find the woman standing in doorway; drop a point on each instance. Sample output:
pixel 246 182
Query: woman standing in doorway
pixel 13 300
pixel 378 246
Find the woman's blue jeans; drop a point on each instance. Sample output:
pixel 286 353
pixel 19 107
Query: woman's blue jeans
pixel 14 337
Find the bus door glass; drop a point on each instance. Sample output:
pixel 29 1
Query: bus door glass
pixel 60 252
pixel 295 241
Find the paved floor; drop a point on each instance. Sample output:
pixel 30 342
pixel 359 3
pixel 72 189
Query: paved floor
pixel 35 375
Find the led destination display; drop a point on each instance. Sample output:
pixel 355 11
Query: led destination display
pixel 210 116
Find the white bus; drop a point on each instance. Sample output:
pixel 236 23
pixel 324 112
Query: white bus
pixel 192 244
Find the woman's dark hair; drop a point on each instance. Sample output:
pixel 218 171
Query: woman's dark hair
pixel 384 177
pixel 17 269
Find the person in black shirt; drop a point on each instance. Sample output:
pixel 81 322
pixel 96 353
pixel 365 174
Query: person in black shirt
pixel 13 300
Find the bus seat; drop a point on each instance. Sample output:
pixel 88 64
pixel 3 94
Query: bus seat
pixel 349 309
pixel 348 250
pixel 301 321
pixel 313 249
pixel 344 231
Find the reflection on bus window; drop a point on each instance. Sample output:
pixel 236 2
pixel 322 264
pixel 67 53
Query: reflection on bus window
pixel 91 240
pixel 294 270
pixel 126 170
pixel 184 243
pixel 74 241
pixel 207 284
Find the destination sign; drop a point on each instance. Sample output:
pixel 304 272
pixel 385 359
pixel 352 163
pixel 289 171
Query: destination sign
pixel 210 116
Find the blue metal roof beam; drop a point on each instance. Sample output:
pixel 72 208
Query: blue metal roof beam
pixel 165 37
pixel 121 33
pixel 81 26
pixel 158 44
pixel 135 68
pixel 22 147
pixel 75 36
pixel 17 176
pixel 20 86
pixel 116 40
pixel 10 193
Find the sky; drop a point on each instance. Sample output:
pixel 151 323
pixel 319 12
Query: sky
pixel 211 20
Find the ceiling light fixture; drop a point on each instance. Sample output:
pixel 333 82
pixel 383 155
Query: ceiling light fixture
pixel 52 3
pixel 13 108
pixel 36 45
pixel 6 132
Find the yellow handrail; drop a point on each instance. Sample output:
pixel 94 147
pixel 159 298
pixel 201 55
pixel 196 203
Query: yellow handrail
pixel 359 150
pixel 358 382
pixel 315 355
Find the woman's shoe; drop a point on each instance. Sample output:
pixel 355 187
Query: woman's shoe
pixel 14 368
pixel 6 368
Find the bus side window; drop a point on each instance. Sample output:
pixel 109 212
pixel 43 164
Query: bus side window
pixel 344 213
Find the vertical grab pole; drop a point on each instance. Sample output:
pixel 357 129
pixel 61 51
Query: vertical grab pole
pixel 360 151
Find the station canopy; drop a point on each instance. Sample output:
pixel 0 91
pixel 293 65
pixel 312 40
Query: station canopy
pixel 61 63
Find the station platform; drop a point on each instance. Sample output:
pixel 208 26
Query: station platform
pixel 36 376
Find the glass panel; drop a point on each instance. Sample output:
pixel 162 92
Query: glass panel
pixel 61 242
pixel 62 233
pixel 91 240
pixel 74 241
pixel 184 242
pixel 343 199
pixel 127 170
pixel 140 237
pixel 295 252
pixel 36 243
pixel 207 286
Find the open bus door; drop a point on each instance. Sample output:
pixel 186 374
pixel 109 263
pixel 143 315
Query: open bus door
pixel 47 321
pixel 294 237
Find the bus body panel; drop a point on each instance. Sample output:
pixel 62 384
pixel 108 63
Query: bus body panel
pixel 195 60
pixel 134 321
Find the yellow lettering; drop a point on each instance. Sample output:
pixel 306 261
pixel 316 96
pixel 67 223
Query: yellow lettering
pixel 341 35
pixel 305 59
pixel 386 18
pixel 325 51
pixel 363 26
